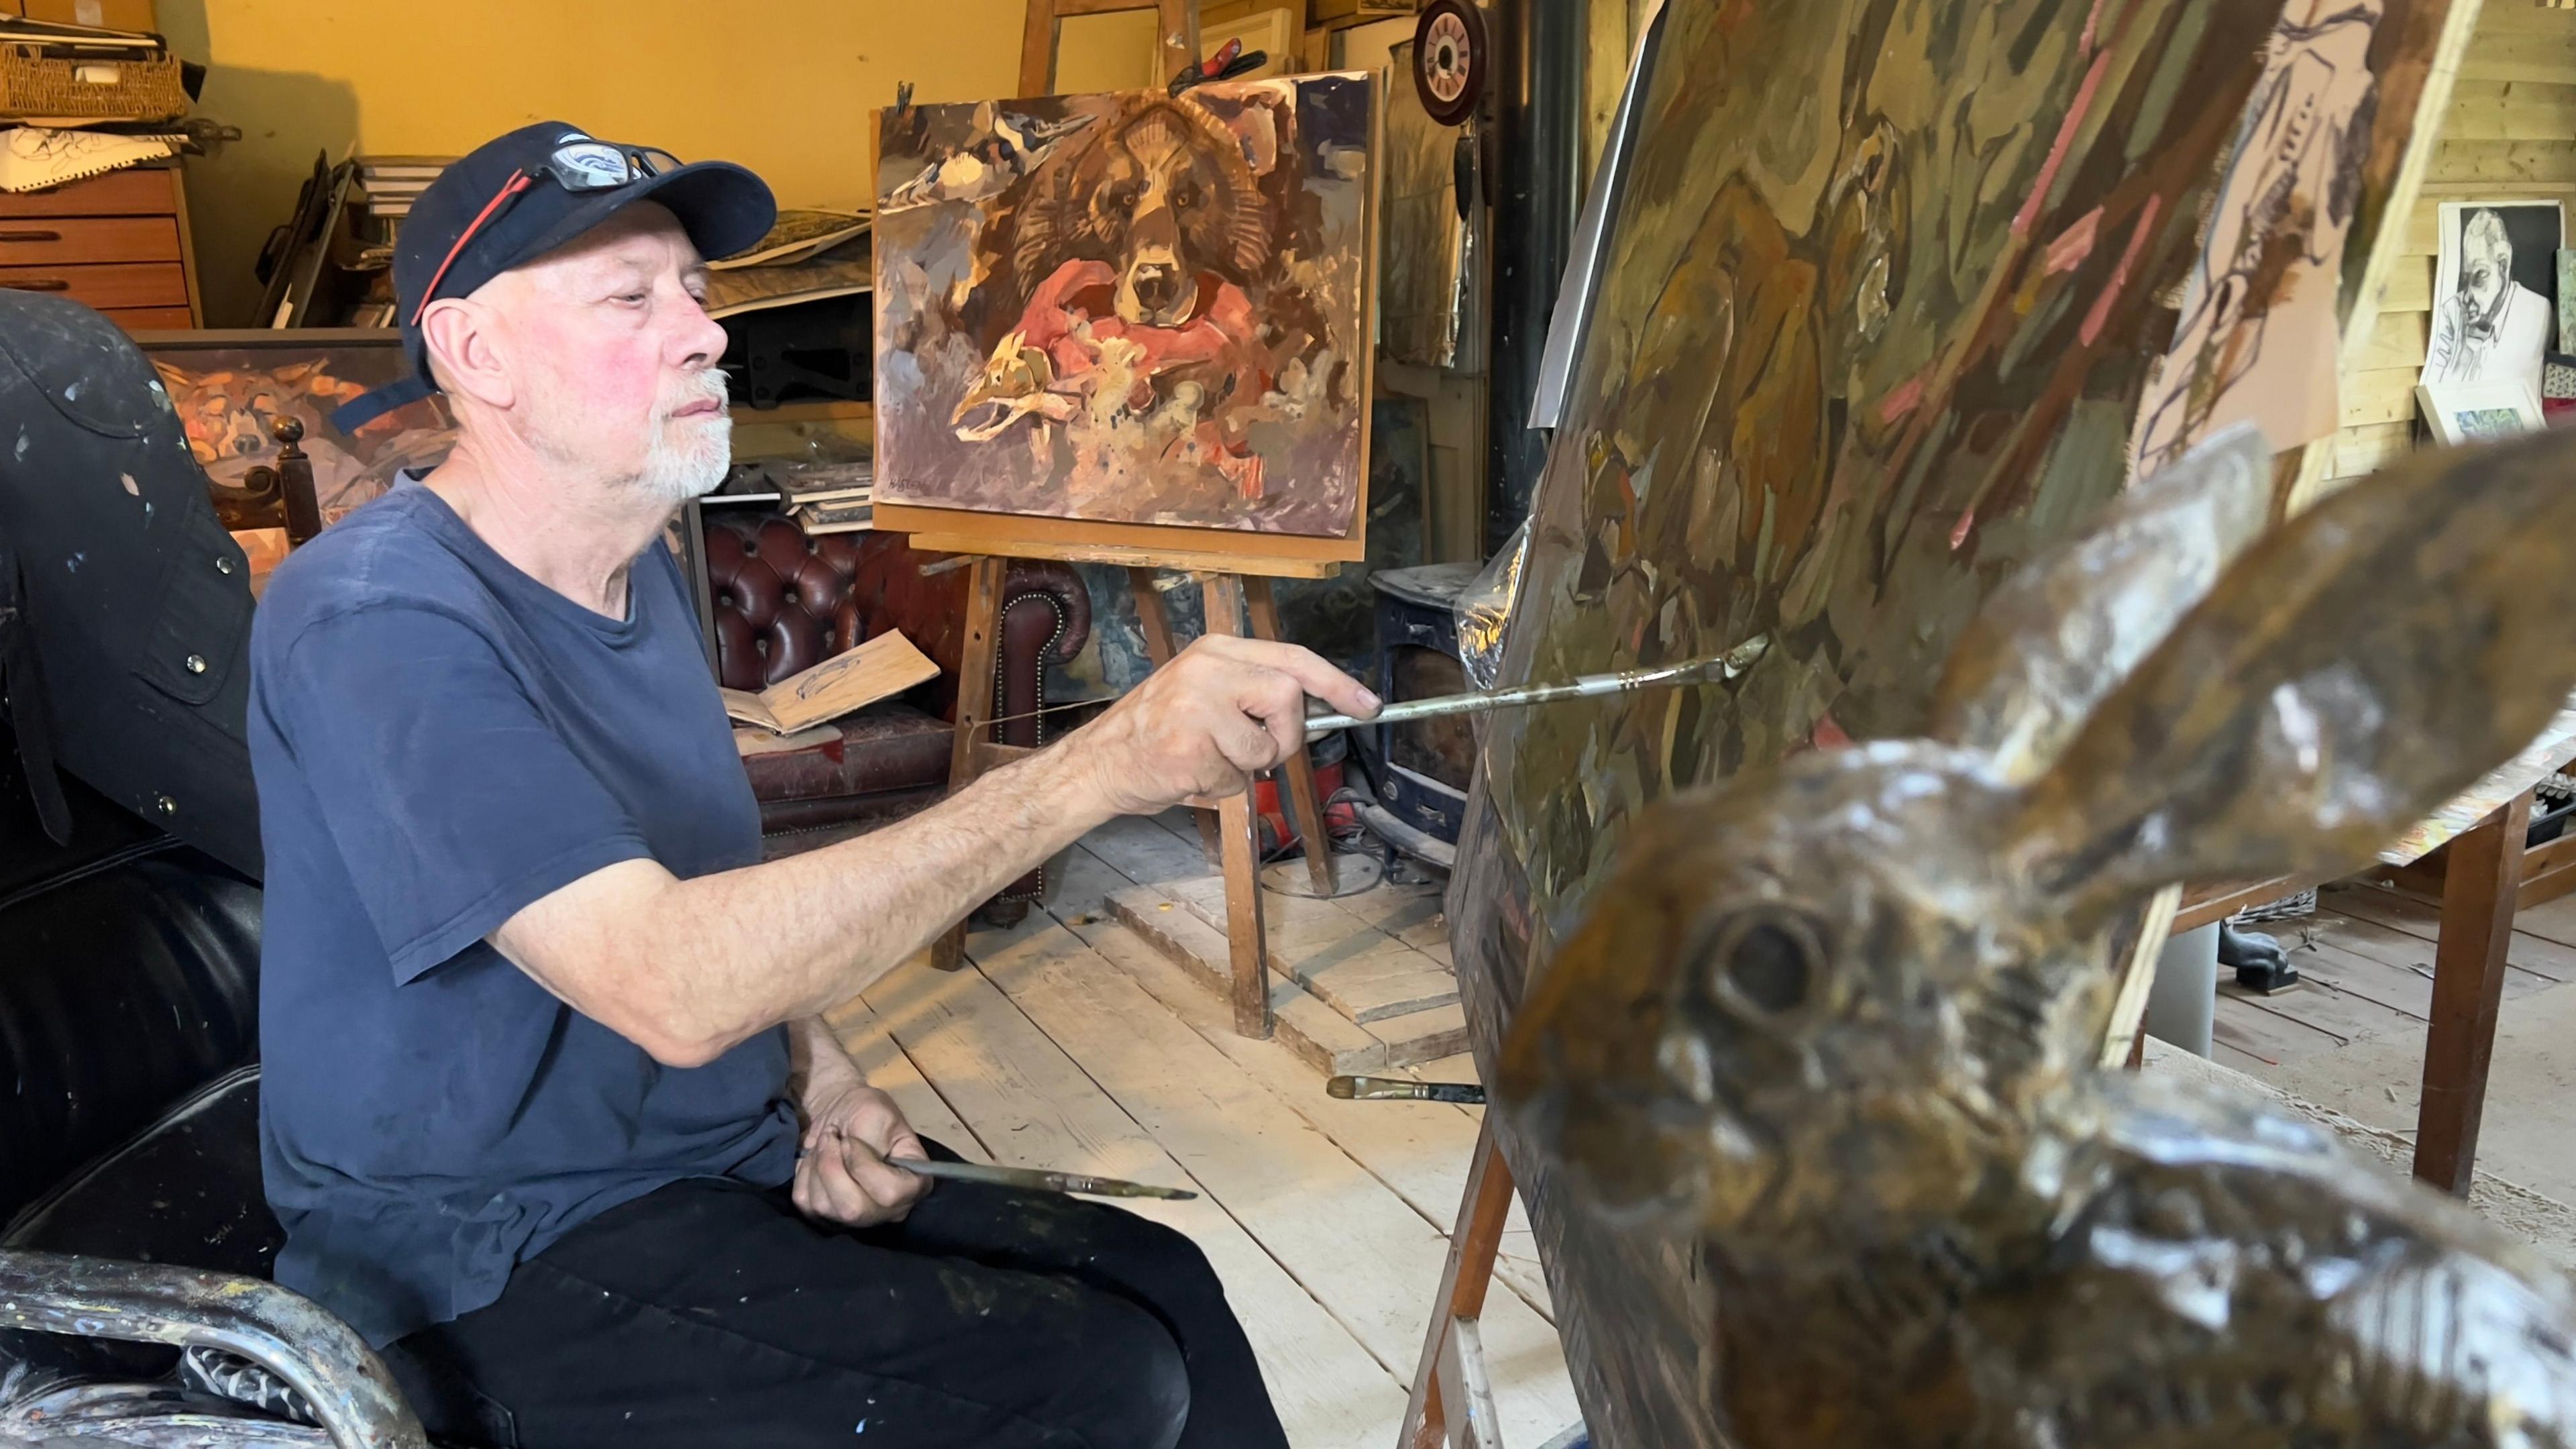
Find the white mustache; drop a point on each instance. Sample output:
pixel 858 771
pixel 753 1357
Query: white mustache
pixel 708 385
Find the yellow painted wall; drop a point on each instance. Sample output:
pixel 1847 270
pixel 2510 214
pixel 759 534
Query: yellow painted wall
pixel 787 87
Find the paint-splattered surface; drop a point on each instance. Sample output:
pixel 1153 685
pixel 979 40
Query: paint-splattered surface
pixel 1865 343
pixel 1130 308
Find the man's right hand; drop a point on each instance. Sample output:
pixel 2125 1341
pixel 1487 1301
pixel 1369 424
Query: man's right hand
pixel 1224 708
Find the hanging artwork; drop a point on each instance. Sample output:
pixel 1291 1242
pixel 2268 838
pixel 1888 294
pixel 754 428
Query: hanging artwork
pixel 1134 308
pixel 1863 345
pixel 231 388
pixel 2494 286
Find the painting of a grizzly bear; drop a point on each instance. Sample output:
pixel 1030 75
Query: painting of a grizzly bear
pixel 1132 308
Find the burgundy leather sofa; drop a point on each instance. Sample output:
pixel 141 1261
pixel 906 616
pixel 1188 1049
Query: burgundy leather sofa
pixel 785 601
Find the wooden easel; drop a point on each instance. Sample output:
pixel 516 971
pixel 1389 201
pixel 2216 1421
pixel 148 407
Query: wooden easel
pixel 1177 28
pixel 1229 832
pixel 1451 1379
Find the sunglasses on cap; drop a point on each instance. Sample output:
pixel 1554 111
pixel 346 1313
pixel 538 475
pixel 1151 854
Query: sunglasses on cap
pixel 582 165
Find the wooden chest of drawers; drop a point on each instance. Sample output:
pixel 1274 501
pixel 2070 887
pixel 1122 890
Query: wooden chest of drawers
pixel 117 242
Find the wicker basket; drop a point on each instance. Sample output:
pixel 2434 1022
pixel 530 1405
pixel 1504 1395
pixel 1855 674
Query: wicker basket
pixel 40 82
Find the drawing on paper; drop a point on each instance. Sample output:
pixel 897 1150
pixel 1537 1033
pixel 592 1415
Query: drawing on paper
pixel 2494 283
pixel 2266 279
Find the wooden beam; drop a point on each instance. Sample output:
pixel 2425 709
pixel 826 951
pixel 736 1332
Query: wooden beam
pixel 2125 1036
pixel 2204 904
pixel 2468 987
pixel 990 754
pixel 1236 824
pixel 1299 768
pixel 1176 36
pixel 1037 49
pixel 1155 622
pixel 975 664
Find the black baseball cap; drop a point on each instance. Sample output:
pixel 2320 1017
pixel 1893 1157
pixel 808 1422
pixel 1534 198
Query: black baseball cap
pixel 724 208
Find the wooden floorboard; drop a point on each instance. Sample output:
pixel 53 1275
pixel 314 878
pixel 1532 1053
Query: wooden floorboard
pixel 1421 1150
pixel 2551 921
pixel 1355 1245
pixel 2314 1003
pixel 2227 1054
pixel 2267 1037
pixel 1070 1043
pixel 2404 950
pixel 1146 853
pixel 2366 965
pixel 1033 1105
pixel 2405 915
pixel 888 1067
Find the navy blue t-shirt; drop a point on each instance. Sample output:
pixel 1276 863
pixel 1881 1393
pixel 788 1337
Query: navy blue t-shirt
pixel 440 740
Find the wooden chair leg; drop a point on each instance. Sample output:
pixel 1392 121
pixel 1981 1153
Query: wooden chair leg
pixel 1156 622
pixel 974 712
pixel 2479 883
pixel 1236 827
pixel 1299 768
pixel 1452 1368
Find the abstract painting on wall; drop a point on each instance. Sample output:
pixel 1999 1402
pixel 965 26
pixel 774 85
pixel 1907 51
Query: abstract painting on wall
pixel 1130 308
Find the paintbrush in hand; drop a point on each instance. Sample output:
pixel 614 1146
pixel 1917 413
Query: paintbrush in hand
pixel 1030 1179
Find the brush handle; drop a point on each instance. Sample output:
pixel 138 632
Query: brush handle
pixel 1030 1179
pixel 1696 671
pixel 1399 1089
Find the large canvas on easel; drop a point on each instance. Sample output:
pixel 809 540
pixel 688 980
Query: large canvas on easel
pixel 1131 308
pixel 1863 344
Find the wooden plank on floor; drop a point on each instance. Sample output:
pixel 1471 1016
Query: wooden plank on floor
pixel 2234 1056
pixel 2317 1003
pixel 1316 1032
pixel 1414 1148
pixel 1147 853
pixel 2260 1034
pixel 1351 1241
pixel 1036 1107
pixel 1420 1149
pixel 2532 950
pixel 2392 947
pixel 883 1062
pixel 2399 976
pixel 2551 921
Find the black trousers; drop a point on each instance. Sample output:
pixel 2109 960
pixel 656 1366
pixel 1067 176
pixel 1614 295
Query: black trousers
pixel 714 1313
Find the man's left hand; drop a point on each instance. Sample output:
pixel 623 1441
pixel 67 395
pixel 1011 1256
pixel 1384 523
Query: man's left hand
pixel 842 1174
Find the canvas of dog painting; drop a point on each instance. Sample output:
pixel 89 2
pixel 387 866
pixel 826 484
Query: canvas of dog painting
pixel 1132 307
pixel 230 395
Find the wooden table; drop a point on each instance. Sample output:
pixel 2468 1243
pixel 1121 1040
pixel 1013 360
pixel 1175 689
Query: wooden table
pixel 2481 882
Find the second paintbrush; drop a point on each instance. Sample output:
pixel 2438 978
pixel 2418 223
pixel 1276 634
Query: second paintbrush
pixel 1030 1179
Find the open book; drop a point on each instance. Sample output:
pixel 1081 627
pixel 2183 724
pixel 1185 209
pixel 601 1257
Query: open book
pixel 884 666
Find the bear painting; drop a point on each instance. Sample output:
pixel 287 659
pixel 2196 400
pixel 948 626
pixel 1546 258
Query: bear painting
pixel 1129 308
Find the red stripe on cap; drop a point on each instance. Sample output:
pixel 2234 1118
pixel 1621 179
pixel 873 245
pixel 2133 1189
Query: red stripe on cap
pixel 518 183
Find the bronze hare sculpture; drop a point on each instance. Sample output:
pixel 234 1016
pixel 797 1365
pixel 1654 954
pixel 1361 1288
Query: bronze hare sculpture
pixel 1844 1014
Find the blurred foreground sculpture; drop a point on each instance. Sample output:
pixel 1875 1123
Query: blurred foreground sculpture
pixel 1842 1015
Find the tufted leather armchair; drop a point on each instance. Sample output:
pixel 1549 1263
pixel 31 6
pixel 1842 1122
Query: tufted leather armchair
pixel 785 601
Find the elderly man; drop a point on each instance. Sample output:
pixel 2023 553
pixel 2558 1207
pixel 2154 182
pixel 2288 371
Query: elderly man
pixel 548 1113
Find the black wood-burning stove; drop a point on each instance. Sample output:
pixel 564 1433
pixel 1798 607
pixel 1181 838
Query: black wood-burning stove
pixel 1420 767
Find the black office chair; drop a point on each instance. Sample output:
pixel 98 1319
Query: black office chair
pixel 134 1292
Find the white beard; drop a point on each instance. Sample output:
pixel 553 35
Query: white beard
pixel 676 471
